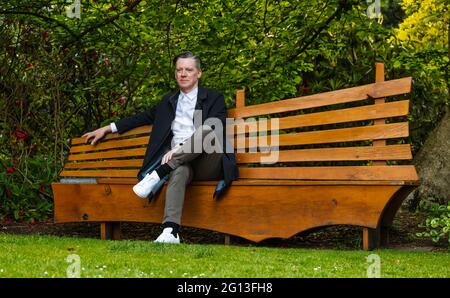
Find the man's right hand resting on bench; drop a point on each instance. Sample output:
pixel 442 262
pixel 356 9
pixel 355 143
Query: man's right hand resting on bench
pixel 97 134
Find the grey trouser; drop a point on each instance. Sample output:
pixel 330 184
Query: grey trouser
pixel 189 165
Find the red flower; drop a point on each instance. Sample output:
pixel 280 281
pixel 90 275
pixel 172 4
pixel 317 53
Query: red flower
pixel 20 134
pixel 42 188
pixel 19 103
pixel 21 213
pixel 122 100
pixel 303 88
pixel 30 65
pixel 8 193
pixel 10 170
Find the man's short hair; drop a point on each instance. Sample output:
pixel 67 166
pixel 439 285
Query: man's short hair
pixel 188 54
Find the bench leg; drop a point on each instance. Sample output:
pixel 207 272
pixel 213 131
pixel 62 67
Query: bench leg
pixel 371 238
pixel 110 230
pixel 227 240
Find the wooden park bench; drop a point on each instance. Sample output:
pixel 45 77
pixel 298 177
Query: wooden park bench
pixel 342 160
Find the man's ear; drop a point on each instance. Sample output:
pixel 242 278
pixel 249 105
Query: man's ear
pixel 199 74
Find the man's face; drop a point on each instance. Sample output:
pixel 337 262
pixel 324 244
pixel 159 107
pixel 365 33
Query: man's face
pixel 187 74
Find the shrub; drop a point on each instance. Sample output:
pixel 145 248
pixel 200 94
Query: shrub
pixel 437 224
pixel 25 194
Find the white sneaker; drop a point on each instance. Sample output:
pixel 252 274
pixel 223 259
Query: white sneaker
pixel 146 185
pixel 167 237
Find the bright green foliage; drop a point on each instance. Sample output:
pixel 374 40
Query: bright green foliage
pixel 437 225
pixel 423 53
pixel 426 22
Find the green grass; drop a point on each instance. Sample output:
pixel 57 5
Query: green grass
pixel 45 256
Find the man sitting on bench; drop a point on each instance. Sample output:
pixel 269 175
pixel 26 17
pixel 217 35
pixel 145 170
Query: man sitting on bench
pixel 173 151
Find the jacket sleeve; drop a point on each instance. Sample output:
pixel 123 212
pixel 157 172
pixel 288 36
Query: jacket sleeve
pixel 139 119
pixel 230 170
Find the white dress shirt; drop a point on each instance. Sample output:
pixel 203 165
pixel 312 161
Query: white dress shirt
pixel 183 124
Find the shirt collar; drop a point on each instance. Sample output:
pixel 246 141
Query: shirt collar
pixel 191 95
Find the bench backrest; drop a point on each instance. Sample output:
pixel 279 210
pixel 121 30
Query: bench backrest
pixel 320 138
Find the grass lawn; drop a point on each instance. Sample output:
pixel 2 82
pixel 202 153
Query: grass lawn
pixel 45 256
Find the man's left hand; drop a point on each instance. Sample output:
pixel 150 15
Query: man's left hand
pixel 168 155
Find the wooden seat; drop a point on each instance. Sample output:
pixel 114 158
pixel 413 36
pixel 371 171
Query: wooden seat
pixel 341 159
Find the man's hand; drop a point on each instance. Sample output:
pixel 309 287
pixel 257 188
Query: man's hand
pixel 97 134
pixel 168 155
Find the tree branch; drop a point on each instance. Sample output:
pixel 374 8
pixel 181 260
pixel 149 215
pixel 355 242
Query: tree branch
pixel 344 5
pixel 45 18
pixel 105 22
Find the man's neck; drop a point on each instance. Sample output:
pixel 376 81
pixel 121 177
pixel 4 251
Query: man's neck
pixel 186 91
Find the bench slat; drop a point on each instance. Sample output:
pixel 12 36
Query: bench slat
pixel 124 143
pixel 368 112
pixel 120 163
pixel 362 133
pixel 145 129
pixel 407 172
pixel 375 90
pixel 139 152
pixel 132 181
pixel 391 152
pixel 99 173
